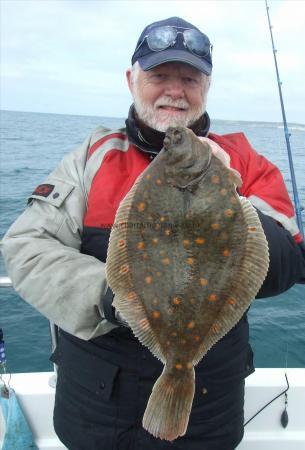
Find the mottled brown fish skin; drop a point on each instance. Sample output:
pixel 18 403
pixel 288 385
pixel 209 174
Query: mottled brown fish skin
pixel 189 241
pixel 181 270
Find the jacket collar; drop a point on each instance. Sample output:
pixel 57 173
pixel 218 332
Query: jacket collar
pixel 149 140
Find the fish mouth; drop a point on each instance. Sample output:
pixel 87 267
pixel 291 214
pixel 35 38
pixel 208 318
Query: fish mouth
pixel 173 136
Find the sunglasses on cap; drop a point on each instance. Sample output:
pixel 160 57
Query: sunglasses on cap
pixel 161 38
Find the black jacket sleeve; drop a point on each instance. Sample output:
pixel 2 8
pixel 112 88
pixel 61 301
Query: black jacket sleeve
pixel 287 259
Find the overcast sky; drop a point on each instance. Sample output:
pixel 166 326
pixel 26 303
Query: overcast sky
pixel 70 56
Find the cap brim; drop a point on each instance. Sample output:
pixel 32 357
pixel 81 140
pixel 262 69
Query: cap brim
pixel 154 59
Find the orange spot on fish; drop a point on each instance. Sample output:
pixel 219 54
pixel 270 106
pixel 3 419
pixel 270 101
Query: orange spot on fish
pixel 203 281
pixel 157 226
pixel 193 301
pixel 190 261
pixel 186 242
pixel 122 243
pixel 167 232
pixel 141 206
pixel 191 324
pixel 148 176
pixel 229 212
pixel 223 191
pixel 252 229
pixel 143 323
pixel 162 218
pixel 174 334
pixel 231 301
pixel 148 280
pixel 215 226
pixel 124 268
pixel 197 338
pixel 165 261
pixel 215 179
pixel 200 241
pixel 177 301
pixel 179 366
pixel 131 296
pixel 140 245
pixel 215 328
pixel 226 252
pixel 155 240
pixel 189 365
pixel 212 298
pixel 233 200
pixel 158 181
pixel 156 314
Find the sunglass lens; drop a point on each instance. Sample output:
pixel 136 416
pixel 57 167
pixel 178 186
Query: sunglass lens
pixel 161 38
pixel 197 42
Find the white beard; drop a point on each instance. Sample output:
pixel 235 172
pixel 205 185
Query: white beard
pixel 160 119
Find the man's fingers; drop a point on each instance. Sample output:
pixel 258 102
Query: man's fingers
pixel 217 151
pixel 221 154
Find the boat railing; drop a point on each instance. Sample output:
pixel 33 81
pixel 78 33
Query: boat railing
pixel 6 282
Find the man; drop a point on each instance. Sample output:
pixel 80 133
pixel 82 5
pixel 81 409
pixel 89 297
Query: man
pixel 56 252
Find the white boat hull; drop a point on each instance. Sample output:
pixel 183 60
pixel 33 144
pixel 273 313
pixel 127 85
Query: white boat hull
pixel 264 432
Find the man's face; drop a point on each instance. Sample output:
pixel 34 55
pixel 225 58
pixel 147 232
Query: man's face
pixel 172 94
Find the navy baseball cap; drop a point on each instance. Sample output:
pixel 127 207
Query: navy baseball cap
pixel 173 39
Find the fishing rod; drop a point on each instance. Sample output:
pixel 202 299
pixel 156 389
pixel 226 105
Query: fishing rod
pixel 298 208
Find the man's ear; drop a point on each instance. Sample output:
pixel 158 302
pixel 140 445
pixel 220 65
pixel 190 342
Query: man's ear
pixel 129 79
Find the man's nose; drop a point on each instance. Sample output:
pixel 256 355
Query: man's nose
pixel 174 88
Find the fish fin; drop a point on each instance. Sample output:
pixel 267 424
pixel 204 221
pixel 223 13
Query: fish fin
pixel 169 405
pixel 236 177
pixel 252 270
pixel 135 315
pixel 126 301
pixel 256 261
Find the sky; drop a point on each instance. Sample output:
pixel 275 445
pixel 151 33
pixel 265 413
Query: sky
pixel 70 56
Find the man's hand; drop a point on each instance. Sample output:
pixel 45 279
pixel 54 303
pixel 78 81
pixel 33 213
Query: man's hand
pixel 217 151
pixel 120 318
pixel 108 310
pixel 221 154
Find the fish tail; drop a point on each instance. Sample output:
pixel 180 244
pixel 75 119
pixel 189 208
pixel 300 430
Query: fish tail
pixel 169 405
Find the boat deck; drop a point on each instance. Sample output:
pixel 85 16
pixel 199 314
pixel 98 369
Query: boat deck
pixel 264 432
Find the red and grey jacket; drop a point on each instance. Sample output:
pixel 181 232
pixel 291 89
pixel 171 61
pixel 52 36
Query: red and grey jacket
pixel 75 208
pixel 120 163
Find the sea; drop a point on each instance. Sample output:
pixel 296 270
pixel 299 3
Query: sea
pixel 32 144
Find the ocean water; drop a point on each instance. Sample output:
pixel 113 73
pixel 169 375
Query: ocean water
pixel 32 144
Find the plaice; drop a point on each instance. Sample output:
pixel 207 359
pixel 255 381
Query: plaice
pixel 186 256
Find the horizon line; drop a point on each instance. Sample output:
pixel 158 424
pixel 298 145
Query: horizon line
pixel 124 118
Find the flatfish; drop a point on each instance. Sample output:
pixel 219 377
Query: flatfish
pixel 186 256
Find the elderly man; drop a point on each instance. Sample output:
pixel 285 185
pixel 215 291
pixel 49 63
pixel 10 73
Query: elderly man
pixel 56 252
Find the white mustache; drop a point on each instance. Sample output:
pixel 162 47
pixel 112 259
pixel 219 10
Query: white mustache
pixel 167 101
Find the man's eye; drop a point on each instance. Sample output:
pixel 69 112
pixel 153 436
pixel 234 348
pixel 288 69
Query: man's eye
pixel 158 76
pixel 190 80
